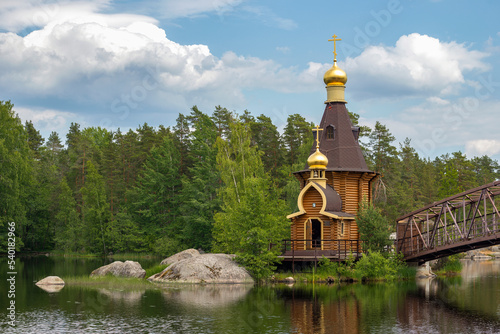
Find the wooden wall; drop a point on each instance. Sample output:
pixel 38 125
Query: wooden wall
pixel 352 187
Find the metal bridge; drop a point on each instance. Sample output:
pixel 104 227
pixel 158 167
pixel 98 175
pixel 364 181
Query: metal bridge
pixel 456 224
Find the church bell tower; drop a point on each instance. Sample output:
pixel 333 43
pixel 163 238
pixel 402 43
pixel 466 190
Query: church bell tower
pixel 336 178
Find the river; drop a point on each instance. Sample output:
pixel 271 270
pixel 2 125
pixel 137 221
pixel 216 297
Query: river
pixel 469 303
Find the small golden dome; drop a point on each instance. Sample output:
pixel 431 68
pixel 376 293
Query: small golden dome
pixel 335 76
pixel 317 160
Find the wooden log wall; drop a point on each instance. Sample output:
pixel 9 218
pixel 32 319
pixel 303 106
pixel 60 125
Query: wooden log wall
pixel 352 187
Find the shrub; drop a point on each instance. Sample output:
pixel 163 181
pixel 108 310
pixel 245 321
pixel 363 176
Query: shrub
pixel 376 266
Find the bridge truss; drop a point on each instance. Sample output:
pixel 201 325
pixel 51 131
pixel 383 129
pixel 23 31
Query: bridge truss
pixel 459 223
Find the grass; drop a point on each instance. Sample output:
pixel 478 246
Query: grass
pixel 155 269
pixel 118 256
pixel 108 281
pixel 131 256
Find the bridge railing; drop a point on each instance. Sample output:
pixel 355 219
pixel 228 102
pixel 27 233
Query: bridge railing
pixel 455 220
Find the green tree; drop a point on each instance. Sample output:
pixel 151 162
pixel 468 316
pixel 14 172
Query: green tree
pixel 267 138
pixel 486 169
pixel 456 174
pixel 15 173
pixel 95 210
pixel 382 152
pixel 68 226
pixel 53 148
pixel 155 198
pixel 374 230
pixel 297 132
pixel 222 119
pixel 182 135
pixel 199 190
pixel 252 216
pixel 123 234
pixel 35 139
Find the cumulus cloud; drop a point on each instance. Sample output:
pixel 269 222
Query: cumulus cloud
pixel 47 120
pixel 18 15
pixel 482 147
pixel 438 126
pixel 416 65
pixel 98 59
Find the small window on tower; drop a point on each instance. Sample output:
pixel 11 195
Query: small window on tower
pixel 330 132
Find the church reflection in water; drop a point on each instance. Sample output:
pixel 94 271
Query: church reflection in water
pixel 326 309
pixel 313 316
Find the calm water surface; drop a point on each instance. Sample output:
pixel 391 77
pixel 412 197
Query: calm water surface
pixel 469 303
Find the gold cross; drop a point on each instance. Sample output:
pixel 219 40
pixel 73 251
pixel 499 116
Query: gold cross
pixel 317 135
pixel 335 39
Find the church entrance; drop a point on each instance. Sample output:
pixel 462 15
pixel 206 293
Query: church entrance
pixel 316 233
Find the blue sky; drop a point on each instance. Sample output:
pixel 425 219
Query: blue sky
pixel 428 70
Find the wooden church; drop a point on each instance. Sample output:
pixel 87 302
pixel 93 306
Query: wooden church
pixel 334 181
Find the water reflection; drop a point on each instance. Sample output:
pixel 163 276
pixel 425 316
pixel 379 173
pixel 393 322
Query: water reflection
pixel 51 288
pixel 213 295
pixel 472 270
pixel 129 297
pixel 468 303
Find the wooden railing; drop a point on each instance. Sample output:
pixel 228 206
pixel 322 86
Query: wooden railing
pixel 314 249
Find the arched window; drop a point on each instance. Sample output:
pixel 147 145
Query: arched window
pixel 330 132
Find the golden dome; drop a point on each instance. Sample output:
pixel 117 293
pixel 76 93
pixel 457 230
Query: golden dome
pixel 317 160
pixel 335 76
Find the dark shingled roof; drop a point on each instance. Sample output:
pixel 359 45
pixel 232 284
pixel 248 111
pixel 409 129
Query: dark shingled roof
pixel 333 200
pixel 343 151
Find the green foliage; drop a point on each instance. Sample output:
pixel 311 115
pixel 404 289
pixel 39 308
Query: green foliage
pixel 377 266
pixel 123 234
pixel 95 211
pixel 449 265
pixel 166 246
pixel 199 200
pixel 68 226
pixel 374 230
pixel 373 266
pixel 155 270
pixel 16 162
pixel 160 190
pixel 382 152
pixel 325 266
pixel 156 197
pixel 252 217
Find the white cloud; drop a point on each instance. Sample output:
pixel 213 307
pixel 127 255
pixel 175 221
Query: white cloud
pixel 47 120
pixel 17 15
pixel 438 101
pixel 482 147
pixel 96 59
pixel 437 128
pixel 416 65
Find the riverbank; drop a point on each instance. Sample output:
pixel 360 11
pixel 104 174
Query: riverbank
pixel 374 266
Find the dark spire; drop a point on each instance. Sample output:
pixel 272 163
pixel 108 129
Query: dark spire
pixel 339 140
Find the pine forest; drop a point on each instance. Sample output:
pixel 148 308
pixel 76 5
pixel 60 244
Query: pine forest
pixel 217 181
